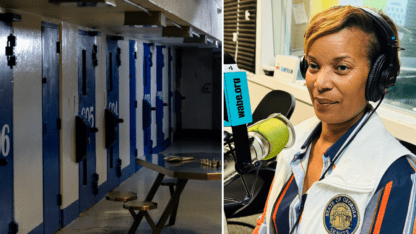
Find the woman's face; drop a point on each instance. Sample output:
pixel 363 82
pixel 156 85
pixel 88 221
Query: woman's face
pixel 337 75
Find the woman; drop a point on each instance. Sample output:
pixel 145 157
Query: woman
pixel 324 184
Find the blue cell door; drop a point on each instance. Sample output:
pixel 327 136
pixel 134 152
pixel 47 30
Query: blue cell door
pixel 51 127
pixel 168 140
pixel 88 179
pixel 159 99
pixel 147 106
pixel 133 105
pixel 6 133
pixel 113 63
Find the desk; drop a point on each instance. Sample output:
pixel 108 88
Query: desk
pixel 191 170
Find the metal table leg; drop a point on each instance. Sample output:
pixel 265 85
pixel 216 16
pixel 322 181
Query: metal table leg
pixel 172 218
pixel 170 209
pixel 173 202
pixel 138 218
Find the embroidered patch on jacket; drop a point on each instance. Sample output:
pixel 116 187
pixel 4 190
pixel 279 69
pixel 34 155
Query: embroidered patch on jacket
pixel 341 215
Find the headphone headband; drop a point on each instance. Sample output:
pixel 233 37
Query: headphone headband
pixel 385 35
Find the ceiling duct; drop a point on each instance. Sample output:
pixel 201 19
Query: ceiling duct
pixel 140 18
pixel 85 3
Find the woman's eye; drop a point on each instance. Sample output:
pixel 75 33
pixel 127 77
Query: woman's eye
pixel 342 68
pixel 313 66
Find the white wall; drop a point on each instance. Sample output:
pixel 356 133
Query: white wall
pixel 100 105
pixel 139 98
pixel 124 103
pixel 27 123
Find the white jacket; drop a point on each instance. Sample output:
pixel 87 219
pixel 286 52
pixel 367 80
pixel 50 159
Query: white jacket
pixel 357 175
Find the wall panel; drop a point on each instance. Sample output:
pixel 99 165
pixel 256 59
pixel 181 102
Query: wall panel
pixel 124 103
pixel 27 120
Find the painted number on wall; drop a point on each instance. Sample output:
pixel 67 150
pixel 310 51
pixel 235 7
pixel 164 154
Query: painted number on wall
pixel 88 112
pixel 113 107
pixel 5 140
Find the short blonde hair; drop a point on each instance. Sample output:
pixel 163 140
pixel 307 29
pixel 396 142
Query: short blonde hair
pixel 338 18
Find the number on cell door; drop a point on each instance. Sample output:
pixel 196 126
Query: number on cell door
pixel 5 140
pixel 88 112
pixel 113 107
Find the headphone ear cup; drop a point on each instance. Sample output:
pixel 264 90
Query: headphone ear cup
pixel 303 66
pixel 373 81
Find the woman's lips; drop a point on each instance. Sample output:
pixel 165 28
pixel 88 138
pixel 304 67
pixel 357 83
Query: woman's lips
pixel 325 102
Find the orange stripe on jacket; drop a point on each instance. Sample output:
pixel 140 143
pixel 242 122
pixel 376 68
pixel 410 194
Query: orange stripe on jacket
pixel 263 216
pixel 280 199
pixel 383 206
pixel 414 226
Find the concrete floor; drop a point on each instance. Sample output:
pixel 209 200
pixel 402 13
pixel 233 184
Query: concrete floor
pixel 239 229
pixel 199 207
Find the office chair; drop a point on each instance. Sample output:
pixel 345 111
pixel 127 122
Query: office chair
pixel 276 101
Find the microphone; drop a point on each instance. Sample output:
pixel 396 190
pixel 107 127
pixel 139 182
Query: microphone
pixel 267 139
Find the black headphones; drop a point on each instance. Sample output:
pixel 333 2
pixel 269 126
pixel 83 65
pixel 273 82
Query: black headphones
pixel 385 69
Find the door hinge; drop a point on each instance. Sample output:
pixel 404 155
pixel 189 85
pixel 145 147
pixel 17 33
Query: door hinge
pixel 13 228
pixel 135 103
pixel 118 56
pixel 118 167
pixel 135 55
pixel 95 178
pixel 94 55
pixel 11 58
pixel 59 123
pixel 135 152
pixel 58 47
pixel 44 80
pixel 59 199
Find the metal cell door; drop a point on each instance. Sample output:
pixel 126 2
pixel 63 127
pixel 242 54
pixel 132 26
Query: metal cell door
pixel 6 131
pixel 168 139
pixel 159 99
pixel 51 127
pixel 88 179
pixel 113 63
pixel 147 106
pixel 133 105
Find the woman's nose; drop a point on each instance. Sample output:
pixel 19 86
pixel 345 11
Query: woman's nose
pixel 323 80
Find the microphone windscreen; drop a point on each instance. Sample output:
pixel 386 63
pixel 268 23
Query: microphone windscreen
pixel 276 132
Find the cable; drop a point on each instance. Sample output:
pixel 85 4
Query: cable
pixel 352 138
pixel 335 159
